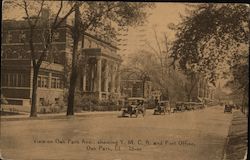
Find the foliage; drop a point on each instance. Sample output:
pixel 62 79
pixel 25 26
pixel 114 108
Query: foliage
pixel 85 102
pixel 210 35
pixel 91 103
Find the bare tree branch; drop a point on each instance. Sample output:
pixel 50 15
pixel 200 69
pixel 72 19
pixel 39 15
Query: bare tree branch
pixel 65 17
pixel 59 11
pixel 27 13
pixel 157 41
pixel 39 13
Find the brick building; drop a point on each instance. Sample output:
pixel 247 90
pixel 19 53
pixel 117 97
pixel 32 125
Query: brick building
pixel 99 76
pixel 134 85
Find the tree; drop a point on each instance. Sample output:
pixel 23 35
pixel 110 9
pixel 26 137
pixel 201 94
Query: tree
pixel 44 29
pixel 155 61
pixel 212 40
pixel 209 36
pixel 100 16
pixel 239 82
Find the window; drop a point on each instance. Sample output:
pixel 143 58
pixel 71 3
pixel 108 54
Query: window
pixel 56 82
pixel 56 36
pixel 9 37
pixel 90 44
pixel 43 81
pixel 39 81
pixel 42 101
pixel 22 37
pixel 56 100
pixel 13 80
pixel 53 83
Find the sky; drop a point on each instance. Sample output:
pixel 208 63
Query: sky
pixel 160 17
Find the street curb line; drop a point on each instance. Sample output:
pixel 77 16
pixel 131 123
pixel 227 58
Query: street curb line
pixel 226 143
pixel 227 140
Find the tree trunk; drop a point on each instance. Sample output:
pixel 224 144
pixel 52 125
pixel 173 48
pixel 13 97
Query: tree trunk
pixel 73 75
pixel 33 110
pixel 71 96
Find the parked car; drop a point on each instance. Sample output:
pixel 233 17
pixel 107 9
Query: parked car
pixel 163 107
pixel 134 106
pixel 179 107
pixel 228 108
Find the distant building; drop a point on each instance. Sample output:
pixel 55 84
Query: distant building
pixel 202 90
pixel 99 76
pixel 156 94
pixel 134 85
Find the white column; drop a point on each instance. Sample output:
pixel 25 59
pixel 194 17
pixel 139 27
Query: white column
pixel 118 80
pixel 112 79
pixel 49 82
pixel 98 75
pixel 106 82
pixel 84 80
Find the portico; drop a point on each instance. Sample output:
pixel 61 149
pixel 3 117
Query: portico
pixel 100 76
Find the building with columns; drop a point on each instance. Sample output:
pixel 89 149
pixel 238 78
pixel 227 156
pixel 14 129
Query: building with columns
pixel 98 72
pixel 100 75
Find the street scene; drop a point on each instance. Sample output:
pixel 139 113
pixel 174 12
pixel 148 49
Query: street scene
pixel 124 80
pixel 189 135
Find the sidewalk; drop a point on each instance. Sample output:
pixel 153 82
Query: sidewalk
pixel 236 146
pixel 55 116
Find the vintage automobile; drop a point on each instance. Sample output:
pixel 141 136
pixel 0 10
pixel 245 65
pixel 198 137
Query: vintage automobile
pixel 134 106
pixel 163 107
pixel 228 108
pixel 179 107
pixel 194 105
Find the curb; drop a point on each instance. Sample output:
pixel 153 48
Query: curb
pixel 54 117
pixel 227 140
pixel 233 134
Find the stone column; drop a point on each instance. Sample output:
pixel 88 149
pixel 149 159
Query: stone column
pixel 98 77
pixel 118 80
pixel 84 80
pixel 106 82
pixel 91 79
pixel 49 82
pixel 112 89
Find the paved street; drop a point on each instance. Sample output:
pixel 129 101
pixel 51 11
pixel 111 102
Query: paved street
pixel 193 135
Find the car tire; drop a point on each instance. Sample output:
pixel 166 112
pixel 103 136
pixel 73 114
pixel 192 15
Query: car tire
pixel 136 113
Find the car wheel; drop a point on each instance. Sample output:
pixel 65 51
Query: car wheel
pixel 123 114
pixel 143 113
pixel 136 113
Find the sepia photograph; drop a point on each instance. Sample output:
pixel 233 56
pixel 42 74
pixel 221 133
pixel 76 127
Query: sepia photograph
pixel 121 80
